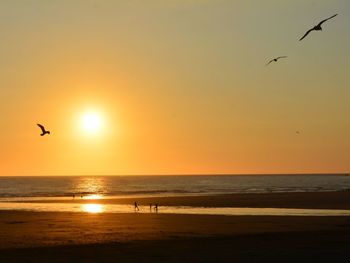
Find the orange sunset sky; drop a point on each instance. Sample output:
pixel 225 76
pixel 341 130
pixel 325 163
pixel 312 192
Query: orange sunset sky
pixel 173 87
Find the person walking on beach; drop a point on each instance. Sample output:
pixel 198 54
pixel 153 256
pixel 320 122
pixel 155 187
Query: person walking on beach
pixel 136 207
pixel 156 208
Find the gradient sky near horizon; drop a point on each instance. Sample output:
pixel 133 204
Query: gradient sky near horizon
pixel 181 87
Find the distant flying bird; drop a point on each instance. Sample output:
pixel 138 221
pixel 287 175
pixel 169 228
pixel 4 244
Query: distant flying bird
pixel 43 130
pixel 317 27
pixel 275 60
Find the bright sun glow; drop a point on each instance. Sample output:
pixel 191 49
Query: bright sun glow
pixel 92 208
pixel 91 122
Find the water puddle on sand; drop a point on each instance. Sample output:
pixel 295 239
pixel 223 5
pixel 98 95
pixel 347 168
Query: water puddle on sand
pixel 113 208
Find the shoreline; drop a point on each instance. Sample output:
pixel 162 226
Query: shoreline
pixel 307 200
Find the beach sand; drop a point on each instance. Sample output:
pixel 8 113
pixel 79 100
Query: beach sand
pixel 312 200
pixel 102 237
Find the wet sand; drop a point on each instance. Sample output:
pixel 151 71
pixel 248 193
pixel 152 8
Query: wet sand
pixel 316 200
pixel 102 237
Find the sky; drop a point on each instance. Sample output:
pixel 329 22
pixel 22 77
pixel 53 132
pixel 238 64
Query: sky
pixel 177 86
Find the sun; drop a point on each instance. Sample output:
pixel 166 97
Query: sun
pixel 91 122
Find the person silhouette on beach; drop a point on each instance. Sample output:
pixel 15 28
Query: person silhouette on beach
pixel 156 208
pixel 136 207
pixel 150 207
pixel 73 196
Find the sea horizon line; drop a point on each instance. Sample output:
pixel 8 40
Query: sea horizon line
pixel 190 174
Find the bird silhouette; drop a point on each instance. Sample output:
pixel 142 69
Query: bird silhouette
pixel 43 130
pixel 317 27
pixel 275 60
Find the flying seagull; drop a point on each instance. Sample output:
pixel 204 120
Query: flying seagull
pixel 317 27
pixel 43 130
pixel 275 60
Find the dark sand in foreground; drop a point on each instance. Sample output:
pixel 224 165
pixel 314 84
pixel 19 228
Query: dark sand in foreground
pixel 84 237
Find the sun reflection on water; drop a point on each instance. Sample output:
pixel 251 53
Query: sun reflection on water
pixel 93 197
pixel 92 208
pixel 90 187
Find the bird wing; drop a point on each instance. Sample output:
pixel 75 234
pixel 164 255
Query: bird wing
pixel 268 63
pixel 326 19
pixel 41 127
pixel 281 57
pixel 306 34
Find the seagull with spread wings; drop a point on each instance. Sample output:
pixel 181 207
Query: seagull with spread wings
pixel 43 130
pixel 275 60
pixel 317 27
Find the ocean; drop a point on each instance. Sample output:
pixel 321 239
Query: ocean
pixel 62 186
